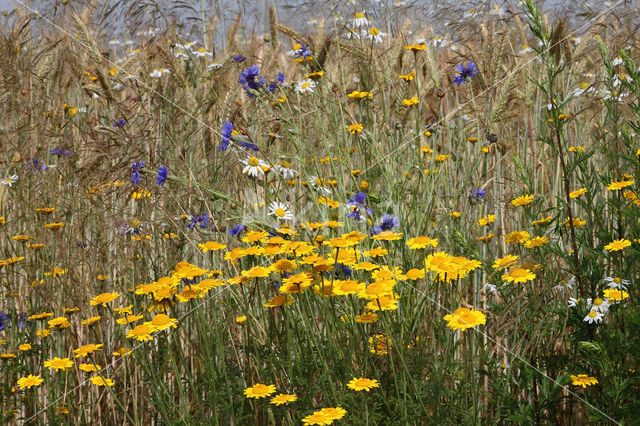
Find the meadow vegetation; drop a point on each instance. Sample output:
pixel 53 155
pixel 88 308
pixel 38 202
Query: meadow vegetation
pixel 355 223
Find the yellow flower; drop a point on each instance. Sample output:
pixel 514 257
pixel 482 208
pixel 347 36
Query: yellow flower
pixel 517 237
pixel 241 319
pixel 410 102
pixel 583 380
pixel 141 333
pixel 536 242
pixel 617 185
pixel 577 222
pixel 59 323
pixel 59 364
pixel 87 349
pixel 483 221
pixel 387 236
pixel 615 295
pixel 519 275
pixel 283 398
pixel 101 381
pixel 380 344
pixel 89 368
pixel 576 194
pixel 91 320
pixel 367 318
pixel 24 347
pixel 56 225
pixel 407 77
pixel 504 262
pixel 525 200
pixel 334 413
pixel 359 384
pixel 617 245
pixel 211 246
pixel 317 418
pixel 259 390
pixel 29 381
pixel 422 242
pixel 104 298
pixel 359 95
pixel 416 47
pixel 140 193
pixel 355 128
pixel 282 300
pixel 464 318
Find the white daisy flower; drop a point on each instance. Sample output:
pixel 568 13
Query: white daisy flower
pixel 374 34
pixel 352 34
pixel 114 42
pixel 157 73
pixel 573 302
pixel 489 288
pixel 213 66
pixel 305 86
pixel 202 52
pixel 254 166
pixel 9 180
pixel 359 20
pixel 617 61
pixel 525 49
pixel 599 304
pixel 280 211
pixel 317 184
pixel 594 316
pixel 285 171
pixel 617 282
pixel 181 54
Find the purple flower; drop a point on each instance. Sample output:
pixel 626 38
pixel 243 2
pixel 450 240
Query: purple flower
pixel 251 79
pixel 161 177
pixel 464 73
pixel 302 52
pixel 477 195
pixel 388 223
pixel 4 319
pixel 236 230
pixel 36 165
pixel 358 206
pixel 136 177
pixel 203 220
pixel 280 78
pixel 120 123
pixel 227 128
pixel 239 58
pixel 248 145
pixel 58 151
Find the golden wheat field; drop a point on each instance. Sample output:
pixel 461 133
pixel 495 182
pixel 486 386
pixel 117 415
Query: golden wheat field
pixel 312 213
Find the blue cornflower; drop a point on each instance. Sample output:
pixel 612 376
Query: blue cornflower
pixel 464 73
pixel 162 175
pixel 388 223
pixel 239 58
pixel 248 145
pixel 203 220
pixel 4 320
pixel 251 79
pixel 58 151
pixel 477 195
pixel 23 321
pixel 302 52
pixel 227 128
pixel 358 206
pixel 236 230
pixel 280 78
pixel 136 177
pixel 36 165
pixel 120 123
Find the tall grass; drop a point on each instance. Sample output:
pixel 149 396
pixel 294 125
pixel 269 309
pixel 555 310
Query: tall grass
pixel 487 168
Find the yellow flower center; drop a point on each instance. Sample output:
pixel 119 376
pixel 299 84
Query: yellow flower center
pixel 359 15
pixel 280 212
pixel 598 301
pixel 253 161
pixel 374 31
pixel 593 314
pixel 616 280
pixel 305 84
